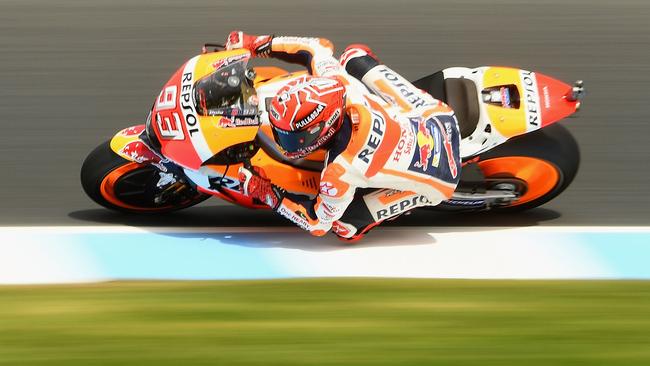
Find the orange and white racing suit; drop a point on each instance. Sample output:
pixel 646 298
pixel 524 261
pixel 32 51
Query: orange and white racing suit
pixel 396 140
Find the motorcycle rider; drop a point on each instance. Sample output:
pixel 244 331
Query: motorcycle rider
pixel 379 130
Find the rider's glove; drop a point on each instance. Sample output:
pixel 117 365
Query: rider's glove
pixel 256 185
pixel 257 45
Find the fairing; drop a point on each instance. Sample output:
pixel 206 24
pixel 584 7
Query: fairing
pixel 186 136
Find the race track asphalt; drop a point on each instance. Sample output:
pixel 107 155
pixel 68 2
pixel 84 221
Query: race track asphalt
pixel 72 73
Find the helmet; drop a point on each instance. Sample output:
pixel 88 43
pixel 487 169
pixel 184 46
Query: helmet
pixel 306 113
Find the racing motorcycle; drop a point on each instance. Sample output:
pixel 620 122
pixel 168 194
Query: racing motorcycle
pixel 211 117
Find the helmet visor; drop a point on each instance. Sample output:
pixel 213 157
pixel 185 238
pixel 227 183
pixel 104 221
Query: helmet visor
pixel 298 143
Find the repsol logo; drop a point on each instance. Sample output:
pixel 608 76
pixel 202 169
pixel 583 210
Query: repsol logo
pixel 376 136
pixel 407 91
pixel 531 96
pixel 307 120
pixel 402 206
pixel 186 104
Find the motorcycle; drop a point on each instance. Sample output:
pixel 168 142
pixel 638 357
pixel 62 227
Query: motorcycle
pixel 211 117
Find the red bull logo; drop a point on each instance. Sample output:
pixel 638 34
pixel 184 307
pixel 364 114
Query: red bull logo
pixel 428 146
pixel 132 131
pixel 226 122
pixel 139 152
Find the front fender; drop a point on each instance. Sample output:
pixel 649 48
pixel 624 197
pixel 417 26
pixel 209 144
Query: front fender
pixel 128 145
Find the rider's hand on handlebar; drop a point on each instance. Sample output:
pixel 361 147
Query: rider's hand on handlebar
pixel 255 184
pixel 257 45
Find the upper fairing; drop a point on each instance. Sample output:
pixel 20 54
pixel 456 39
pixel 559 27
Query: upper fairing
pixel 187 137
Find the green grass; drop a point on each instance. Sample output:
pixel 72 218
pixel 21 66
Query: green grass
pixel 328 322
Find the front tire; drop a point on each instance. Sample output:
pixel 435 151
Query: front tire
pixel 127 186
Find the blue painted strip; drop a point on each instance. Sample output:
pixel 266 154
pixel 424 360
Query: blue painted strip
pixel 177 256
pixel 68 256
pixel 626 254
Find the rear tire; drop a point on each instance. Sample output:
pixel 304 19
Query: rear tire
pixel 104 178
pixel 553 146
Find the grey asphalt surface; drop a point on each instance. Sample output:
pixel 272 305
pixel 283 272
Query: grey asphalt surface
pixel 72 73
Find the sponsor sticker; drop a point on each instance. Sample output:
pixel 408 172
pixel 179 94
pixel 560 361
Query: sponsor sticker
pixel 342 229
pixel 274 113
pixel 223 182
pixel 311 117
pixel 385 204
pixel 375 138
pixel 464 202
pixel 431 140
pixel 228 60
pixel 411 94
pixel 132 131
pixel 428 145
pixel 328 189
pixel 237 121
pixel 404 145
pixel 139 152
pixel 294 217
pixel 531 98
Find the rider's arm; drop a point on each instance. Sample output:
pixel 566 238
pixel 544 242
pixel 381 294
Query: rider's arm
pixel 314 215
pixel 313 53
pixel 317 215
pixel 316 54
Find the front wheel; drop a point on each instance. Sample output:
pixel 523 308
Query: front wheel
pixel 127 186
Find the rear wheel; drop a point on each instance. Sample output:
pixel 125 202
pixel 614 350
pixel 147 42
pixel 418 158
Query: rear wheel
pixel 127 186
pixel 537 167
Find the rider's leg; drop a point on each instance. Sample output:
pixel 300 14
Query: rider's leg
pixel 371 207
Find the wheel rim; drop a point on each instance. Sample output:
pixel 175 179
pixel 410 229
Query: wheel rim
pixel 540 176
pixel 132 186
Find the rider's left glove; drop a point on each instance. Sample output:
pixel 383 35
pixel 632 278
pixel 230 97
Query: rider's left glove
pixel 257 45
pixel 256 185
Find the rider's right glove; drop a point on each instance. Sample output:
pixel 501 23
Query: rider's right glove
pixel 257 45
pixel 255 184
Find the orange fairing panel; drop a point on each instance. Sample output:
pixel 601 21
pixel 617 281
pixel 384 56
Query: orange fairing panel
pixel 285 176
pixel 263 73
pixel 291 179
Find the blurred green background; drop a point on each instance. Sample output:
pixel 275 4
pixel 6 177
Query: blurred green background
pixel 328 322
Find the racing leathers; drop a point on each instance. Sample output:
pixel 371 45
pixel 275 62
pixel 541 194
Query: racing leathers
pixel 395 139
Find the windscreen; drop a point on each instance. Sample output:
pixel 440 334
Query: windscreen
pixel 226 92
